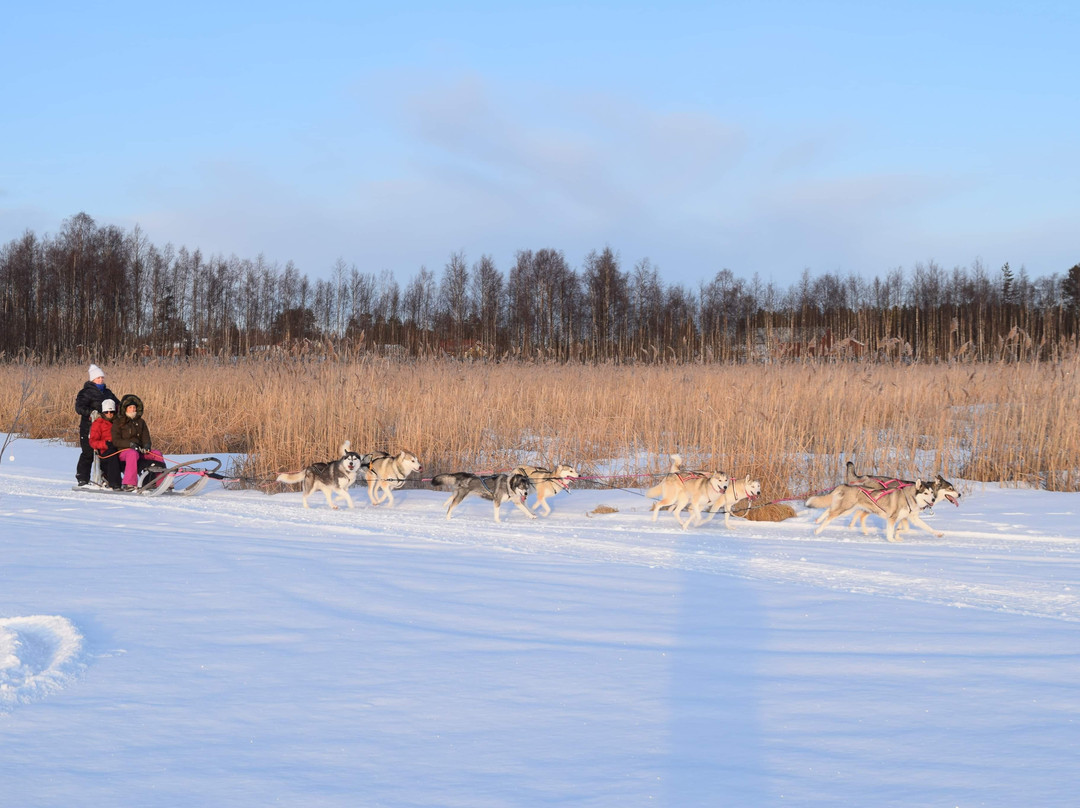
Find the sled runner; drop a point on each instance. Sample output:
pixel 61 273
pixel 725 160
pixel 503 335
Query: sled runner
pixel 183 479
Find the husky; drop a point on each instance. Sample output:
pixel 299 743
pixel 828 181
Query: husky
pixel 681 488
pixel 944 491
pixel 496 487
pixel 331 477
pixel 699 492
pixel 386 472
pixel 547 483
pixel 736 492
pixel 894 505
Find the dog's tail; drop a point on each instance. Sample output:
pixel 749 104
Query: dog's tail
pixel 440 480
pixel 676 464
pixel 291 477
pixel 819 501
pixel 850 476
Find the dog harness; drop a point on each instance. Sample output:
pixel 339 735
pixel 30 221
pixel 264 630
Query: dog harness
pixel 887 487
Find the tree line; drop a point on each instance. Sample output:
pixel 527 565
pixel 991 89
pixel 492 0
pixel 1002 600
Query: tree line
pixel 99 291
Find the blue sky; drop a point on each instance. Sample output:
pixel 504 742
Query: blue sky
pixel 763 138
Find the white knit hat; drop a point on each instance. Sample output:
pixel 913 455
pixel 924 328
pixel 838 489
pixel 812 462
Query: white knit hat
pixel 108 405
pixel 95 371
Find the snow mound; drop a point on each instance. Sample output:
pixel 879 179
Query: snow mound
pixel 39 655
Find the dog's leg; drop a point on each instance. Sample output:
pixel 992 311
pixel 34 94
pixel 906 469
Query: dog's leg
pixel 833 513
pixel 345 494
pixel 680 502
pixel 455 501
pixel 521 507
pixel 329 497
pixel 829 516
pixel 916 520
pixel 694 517
pixel 665 500
pixel 380 492
pixel 542 501
pixel 711 511
pixel 656 508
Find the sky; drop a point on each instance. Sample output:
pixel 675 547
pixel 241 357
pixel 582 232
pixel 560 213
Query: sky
pixel 764 138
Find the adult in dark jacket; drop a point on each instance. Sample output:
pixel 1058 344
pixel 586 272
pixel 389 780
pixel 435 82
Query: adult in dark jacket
pixel 87 403
pixel 131 435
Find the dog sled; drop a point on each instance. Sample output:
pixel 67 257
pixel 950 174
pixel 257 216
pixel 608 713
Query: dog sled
pixel 156 479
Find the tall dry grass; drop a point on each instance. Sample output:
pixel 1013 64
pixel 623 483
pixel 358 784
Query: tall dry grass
pixel 791 425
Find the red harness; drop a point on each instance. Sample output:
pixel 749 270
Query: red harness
pixel 887 487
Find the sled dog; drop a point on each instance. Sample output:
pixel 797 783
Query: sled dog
pixel 386 472
pixel 682 488
pixel 547 483
pixel 698 493
pixel 736 492
pixel 496 487
pixel 894 505
pixel 331 477
pixel 944 491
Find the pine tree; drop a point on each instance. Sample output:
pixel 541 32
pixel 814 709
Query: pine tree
pixel 1008 293
pixel 1070 289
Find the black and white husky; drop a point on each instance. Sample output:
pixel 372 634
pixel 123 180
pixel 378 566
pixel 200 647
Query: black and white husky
pixel 496 487
pixel 331 477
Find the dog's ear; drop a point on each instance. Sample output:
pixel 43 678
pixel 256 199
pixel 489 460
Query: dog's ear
pixel 345 448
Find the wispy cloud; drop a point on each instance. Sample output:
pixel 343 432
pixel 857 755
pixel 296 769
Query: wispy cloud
pixel 464 162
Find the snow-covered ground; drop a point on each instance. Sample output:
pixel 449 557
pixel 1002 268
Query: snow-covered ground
pixel 236 649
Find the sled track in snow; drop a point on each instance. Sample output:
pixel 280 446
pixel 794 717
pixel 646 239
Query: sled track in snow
pixel 760 551
pixel 839 560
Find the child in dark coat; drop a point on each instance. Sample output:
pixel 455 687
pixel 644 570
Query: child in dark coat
pixel 132 437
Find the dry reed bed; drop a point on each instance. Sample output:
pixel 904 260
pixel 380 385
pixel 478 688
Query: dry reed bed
pixel 791 425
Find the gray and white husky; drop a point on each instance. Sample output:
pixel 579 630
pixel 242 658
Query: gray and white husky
pixel 331 477
pixel 496 487
pixel 894 504
pixel 944 491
